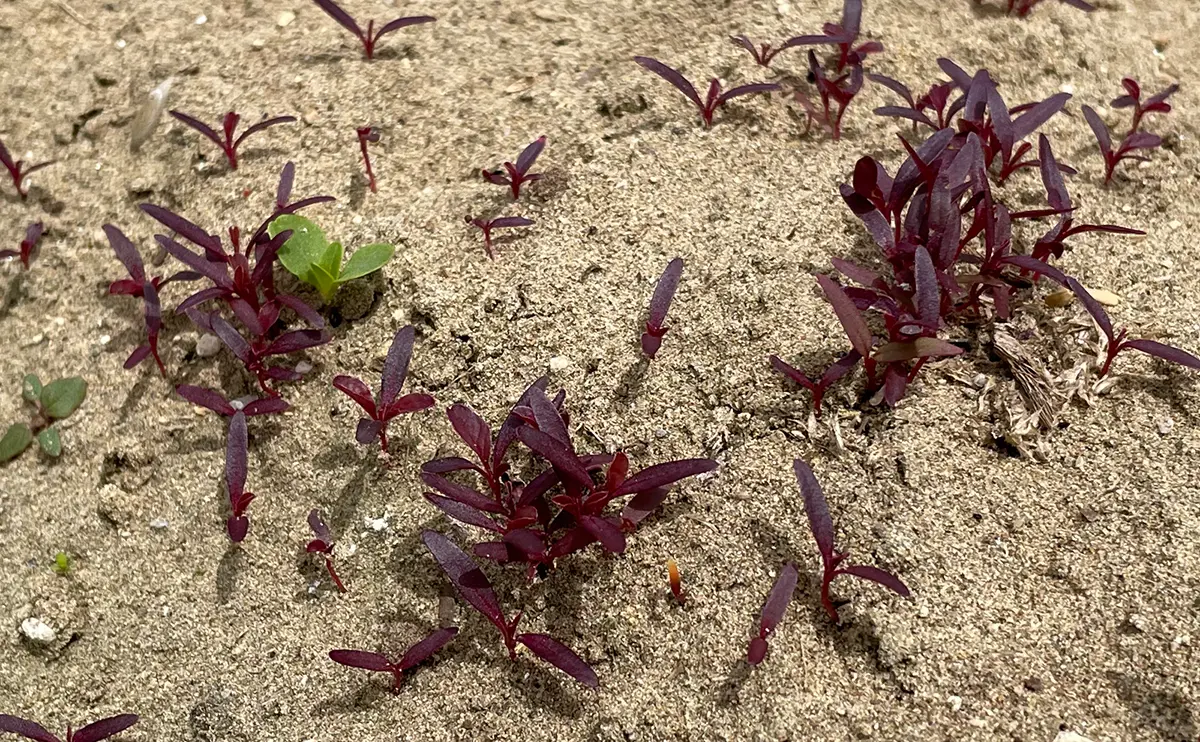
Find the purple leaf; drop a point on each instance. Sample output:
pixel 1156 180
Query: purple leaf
pixel 560 456
pixel 1163 351
pixel 643 504
pixel 467 578
pixel 815 506
pixel 874 574
pixel 606 532
pixel 848 314
pixel 426 648
pixel 395 368
pixel 672 76
pixel 318 526
pixel 296 340
pixel 561 656
pixel 1093 307
pixel 530 154
pixel 758 87
pixel 1039 114
pixel 511 221
pixel 367 430
pixel 463 513
pixel 1056 188
pixel 283 193
pixel 358 391
pixel 336 13
pixel 24 727
pixel 663 475
pixel 473 431
pixel 400 23
pixel 105 728
pixel 773 611
pixel 1100 129
pixel 206 398
pixel 235 457
pixel 264 125
pixel 664 292
pixel 548 419
pixel 461 493
pixel 929 300
pixel 199 126
pixel 355 658
pixel 126 252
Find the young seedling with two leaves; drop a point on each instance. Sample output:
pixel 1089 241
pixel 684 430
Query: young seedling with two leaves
pixel 821 524
pixel 514 175
pixel 255 354
pixel 660 302
pixel 935 100
pixel 561 510
pixel 311 257
pixel 389 405
pixel 94 732
pixel 1135 140
pixel 1119 341
pixel 54 401
pixel 323 543
pixel 18 172
pixel 833 92
pixel 504 222
pixel 369 38
pixel 1156 103
pixel 714 98
pixel 225 140
pixel 470 582
pixel 28 247
pixel 376 662
pixel 842 35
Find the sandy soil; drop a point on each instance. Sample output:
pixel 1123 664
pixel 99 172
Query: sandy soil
pixel 1048 595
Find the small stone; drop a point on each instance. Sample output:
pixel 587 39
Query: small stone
pixel 285 18
pixel 980 381
pixel 1069 736
pixel 257 44
pixel 38 631
pixel 201 19
pixel 558 363
pixel 208 345
pixel 955 702
pixel 1137 622
pixel 377 524
pixel 160 523
pixel 303 367
pixel 1034 685
pixel 783 8
pixel 1165 426
pixel 1068 88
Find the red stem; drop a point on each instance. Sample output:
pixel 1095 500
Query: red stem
pixel 336 580
pixel 362 142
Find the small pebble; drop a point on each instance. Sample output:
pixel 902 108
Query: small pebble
pixel 1166 425
pixel 303 367
pixel 257 44
pixel 558 363
pixel 955 702
pixel 285 18
pixel 38 631
pixel 208 345
pixel 376 524
pixel 159 523
pixel 201 19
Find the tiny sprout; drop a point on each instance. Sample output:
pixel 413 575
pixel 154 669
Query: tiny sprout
pixel 660 302
pixel 17 170
pixel 54 401
pixel 323 544
pixel 518 173
pixel 503 222
pixel 368 134
pixel 225 140
pixel 676 582
pixel 62 563
pixel 370 37
pixel 28 247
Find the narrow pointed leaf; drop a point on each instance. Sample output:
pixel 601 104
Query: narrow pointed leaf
pixel 361 660
pixel 395 367
pixel 426 648
pixel 466 576
pixel 1166 352
pixel 663 475
pixel 105 728
pixel 815 507
pixel 558 654
pixel 874 574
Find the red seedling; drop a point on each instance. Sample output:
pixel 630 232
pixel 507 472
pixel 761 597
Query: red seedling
pixel 17 170
pixel 660 302
pixel 370 37
pixel 28 247
pixel 367 134
pixel 822 528
pixel 1133 141
pixel 832 91
pixel 212 400
pixel 375 662
pixel 503 222
pixel 843 35
pixel 773 612
pixel 254 353
pixel 474 587
pixel 388 406
pixel 128 254
pixel 227 143
pixel 153 317
pixel 518 174
pixel 714 99
pixel 1117 341
pixel 935 100
pixel 1022 8
pixel 763 53
pixel 94 732
pixel 1133 99
pixel 323 544
pixel 676 582
pixel 818 387
pixel 235 478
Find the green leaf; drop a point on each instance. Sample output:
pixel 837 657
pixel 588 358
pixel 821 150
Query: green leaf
pixel 16 439
pixel 31 388
pixel 62 563
pixel 366 259
pixel 61 398
pixel 305 247
pixel 331 261
pixel 50 442
pixel 323 282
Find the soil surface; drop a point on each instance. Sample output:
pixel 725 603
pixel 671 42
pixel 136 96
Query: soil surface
pixel 1055 576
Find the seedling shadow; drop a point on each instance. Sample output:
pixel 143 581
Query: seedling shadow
pixel 136 392
pixel 631 383
pixel 345 507
pixel 1167 388
pixel 1166 712
pixel 229 569
pixel 544 688
pixel 729 692
pixel 362 698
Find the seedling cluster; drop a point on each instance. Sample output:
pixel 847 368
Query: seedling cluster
pixel 514 176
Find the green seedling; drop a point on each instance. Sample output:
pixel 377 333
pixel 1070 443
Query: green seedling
pixel 318 262
pixel 62 563
pixel 54 401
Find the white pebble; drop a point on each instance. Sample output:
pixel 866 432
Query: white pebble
pixel 201 19
pixel 208 345
pixel 159 523
pixel 303 367
pixel 1166 425
pixel 37 630
pixel 285 18
pixel 558 363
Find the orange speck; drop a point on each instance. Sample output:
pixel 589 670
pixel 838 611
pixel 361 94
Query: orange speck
pixel 676 583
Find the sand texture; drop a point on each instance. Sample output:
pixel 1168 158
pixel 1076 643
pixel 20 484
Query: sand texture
pixel 1055 577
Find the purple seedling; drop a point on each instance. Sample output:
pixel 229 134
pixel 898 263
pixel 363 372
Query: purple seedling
pixel 370 37
pixel 381 411
pixel 504 222
pixel 17 170
pixel 474 587
pixel 254 354
pixel 842 35
pixel 818 387
pixel 213 400
pixel 28 247
pixel 152 312
pixel 714 99
pixel 1156 103
pixel 935 100
pixel 375 662
pixel 128 254
pixel 1133 141
pixel 323 544
pixel 235 478
pixel 94 732
pixel 838 91
pixel 821 524
pixel 763 53
pixel 772 612
pixel 367 134
pixel 518 174
pixel 660 302
pixel 1117 341
pixel 228 144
